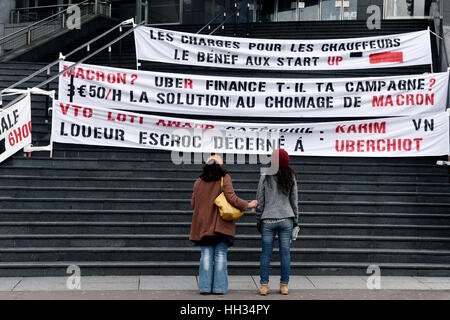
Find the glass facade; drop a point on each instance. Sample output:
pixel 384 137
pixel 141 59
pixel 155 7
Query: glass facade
pixel 266 10
pixel 287 10
pixel 203 11
pixel 305 10
pixel 35 10
pixel 164 11
pixel 409 8
pixel 41 3
pixel 329 10
pixel 309 10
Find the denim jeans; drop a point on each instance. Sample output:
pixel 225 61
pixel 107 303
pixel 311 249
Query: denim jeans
pixel 268 231
pixel 213 273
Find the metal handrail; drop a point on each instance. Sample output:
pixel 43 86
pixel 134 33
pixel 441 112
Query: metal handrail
pixel 39 22
pixel 21 96
pixel 49 6
pixel 77 63
pixel 210 21
pixel 50 65
pixel 45 7
pixel 226 19
pixel 90 55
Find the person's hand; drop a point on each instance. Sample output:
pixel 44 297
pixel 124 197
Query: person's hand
pixel 253 204
pixel 253 211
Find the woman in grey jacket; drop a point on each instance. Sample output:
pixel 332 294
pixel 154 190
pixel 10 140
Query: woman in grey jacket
pixel 277 214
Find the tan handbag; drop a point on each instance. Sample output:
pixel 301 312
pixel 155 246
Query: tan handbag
pixel 226 210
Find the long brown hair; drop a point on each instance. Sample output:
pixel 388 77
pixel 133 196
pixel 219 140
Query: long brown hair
pixel 285 178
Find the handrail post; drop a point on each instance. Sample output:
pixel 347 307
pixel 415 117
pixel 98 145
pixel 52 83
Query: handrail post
pixel 146 18
pixel 47 115
pixel 95 6
pixel 29 37
pixel 120 48
pixel 236 17
pixel 247 32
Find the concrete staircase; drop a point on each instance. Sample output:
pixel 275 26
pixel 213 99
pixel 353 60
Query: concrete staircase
pixel 126 211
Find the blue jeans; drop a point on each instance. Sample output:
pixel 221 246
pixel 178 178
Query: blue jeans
pixel 213 272
pixel 268 232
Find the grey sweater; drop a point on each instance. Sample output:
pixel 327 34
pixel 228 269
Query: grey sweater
pixel 274 204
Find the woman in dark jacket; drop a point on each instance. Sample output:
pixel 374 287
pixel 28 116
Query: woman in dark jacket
pixel 209 230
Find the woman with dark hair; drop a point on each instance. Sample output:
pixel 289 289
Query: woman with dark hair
pixel 277 214
pixel 208 230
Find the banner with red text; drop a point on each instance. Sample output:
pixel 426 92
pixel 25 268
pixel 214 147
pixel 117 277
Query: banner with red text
pixel 396 50
pixel 15 127
pixel 386 137
pixel 134 90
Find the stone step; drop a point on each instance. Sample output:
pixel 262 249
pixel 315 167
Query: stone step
pixel 234 254
pixel 52 215
pixel 241 240
pixel 164 193
pixel 298 166
pixel 80 171
pixel 114 182
pixel 189 267
pixel 101 152
pixel 76 227
pixel 184 204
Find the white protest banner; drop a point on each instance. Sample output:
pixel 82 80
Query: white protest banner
pixel 396 50
pixel 134 90
pixel 385 137
pixel 15 127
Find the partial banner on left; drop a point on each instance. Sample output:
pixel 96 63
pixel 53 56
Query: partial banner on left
pixel 15 127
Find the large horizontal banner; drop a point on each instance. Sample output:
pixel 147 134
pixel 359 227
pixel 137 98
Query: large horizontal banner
pixel 397 50
pixel 134 90
pixel 15 128
pixel 393 137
